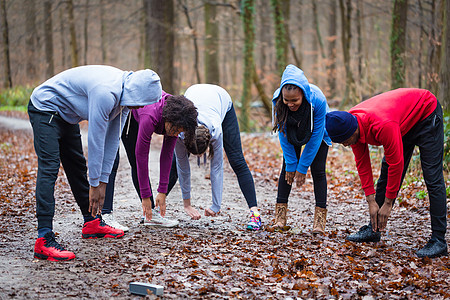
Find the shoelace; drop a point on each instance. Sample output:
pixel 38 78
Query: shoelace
pixel 103 223
pixel 51 242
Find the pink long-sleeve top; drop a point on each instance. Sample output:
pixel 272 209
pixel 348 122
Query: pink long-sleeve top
pixel 150 120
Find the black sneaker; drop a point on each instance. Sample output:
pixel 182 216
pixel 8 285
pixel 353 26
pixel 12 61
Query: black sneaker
pixel 365 234
pixel 434 248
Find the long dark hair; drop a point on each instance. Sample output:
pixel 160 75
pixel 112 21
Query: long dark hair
pixel 182 113
pixel 201 141
pixel 281 110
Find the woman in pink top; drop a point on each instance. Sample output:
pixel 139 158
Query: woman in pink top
pixel 169 117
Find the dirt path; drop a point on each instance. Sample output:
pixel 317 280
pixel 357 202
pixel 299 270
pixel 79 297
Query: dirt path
pixel 216 257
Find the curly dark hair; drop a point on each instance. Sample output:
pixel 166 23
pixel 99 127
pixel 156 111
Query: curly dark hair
pixel 181 112
pixel 281 110
pixel 200 143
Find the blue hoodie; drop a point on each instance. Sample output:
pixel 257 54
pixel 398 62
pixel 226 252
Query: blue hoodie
pixel 99 94
pixel 319 107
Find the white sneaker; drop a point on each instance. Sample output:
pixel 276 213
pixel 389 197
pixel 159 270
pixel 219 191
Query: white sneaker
pixel 109 219
pixel 159 221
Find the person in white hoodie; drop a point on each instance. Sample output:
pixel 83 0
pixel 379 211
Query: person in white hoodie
pixel 102 95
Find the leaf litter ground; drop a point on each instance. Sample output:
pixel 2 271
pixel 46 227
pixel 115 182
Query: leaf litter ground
pixel 216 258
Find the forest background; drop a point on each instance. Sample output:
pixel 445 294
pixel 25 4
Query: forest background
pixel 351 49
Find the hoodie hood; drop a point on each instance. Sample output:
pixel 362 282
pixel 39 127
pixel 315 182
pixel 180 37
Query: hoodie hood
pixel 141 88
pixel 294 75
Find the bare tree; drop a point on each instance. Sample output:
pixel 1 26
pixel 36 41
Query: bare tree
pixel 48 39
pixel 421 42
pixel 398 43
pixel 194 38
pixel 62 21
pixel 212 74
pixel 31 40
pixel 331 61
pixel 5 35
pixel 434 50
pixel 346 15
pixel 73 35
pixel 86 31
pixel 280 35
pixel 248 10
pixel 317 28
pixel 445 58
pixel 103 34
pixel 159 40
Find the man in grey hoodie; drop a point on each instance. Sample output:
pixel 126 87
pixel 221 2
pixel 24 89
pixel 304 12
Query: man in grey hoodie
pixel 102 95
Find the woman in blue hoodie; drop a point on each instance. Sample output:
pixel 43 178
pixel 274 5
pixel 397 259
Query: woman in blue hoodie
pixel 299 118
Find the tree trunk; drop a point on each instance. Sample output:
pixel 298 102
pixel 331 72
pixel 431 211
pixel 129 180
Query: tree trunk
pixel 434 48
pixel 103 34
pixel 421 40
pixel 31 40
pixel 48 34
pixel 5 33
pixel 264 34
pixel 160 41
pixel 299 18
pixel 280 36
pixel 211 45
pixel 194 40
pixel 317 28
pixel 266 101
pixel 73 35
pixel 331 62
pixel 86 31
pixel 444 90
pixel 248 10
pixel 346 13
pixel 398 43
pixel 62 21
pixel 359 8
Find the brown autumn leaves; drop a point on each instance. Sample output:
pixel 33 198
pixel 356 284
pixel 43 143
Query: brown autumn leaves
pixel 207 262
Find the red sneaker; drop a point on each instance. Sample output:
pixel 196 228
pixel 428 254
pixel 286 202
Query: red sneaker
pixel 97 228
pixel 48 248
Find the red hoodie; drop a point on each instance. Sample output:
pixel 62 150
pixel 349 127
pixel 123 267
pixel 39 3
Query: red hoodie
pixel 383 120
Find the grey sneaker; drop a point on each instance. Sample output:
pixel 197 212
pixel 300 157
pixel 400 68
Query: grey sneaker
pixel 159 221
pixel 109 219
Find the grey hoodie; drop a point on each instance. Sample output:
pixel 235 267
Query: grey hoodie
pixel 98 94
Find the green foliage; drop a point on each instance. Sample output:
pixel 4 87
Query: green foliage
pixel 421 195
pixel 16 96
pixel 447 141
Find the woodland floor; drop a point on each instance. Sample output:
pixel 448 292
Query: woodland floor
pixel 216 258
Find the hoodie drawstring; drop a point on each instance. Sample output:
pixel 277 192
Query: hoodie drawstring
pixel 128 123
pixel 120 126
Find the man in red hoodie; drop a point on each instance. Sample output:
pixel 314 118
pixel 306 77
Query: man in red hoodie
pixel 398 120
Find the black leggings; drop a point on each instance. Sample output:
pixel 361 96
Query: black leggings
pixel 318 173
pixel 129 139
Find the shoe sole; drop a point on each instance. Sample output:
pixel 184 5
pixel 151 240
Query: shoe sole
pixel 434 256
pixel 253 228
pixel 51 258
pixel 363 241
pixel 159 225
pixel 102 235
